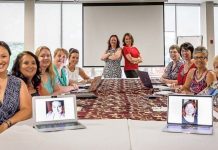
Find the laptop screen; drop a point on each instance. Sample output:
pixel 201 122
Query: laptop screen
pixel 144 77
pixel 54 109
pixel 187 109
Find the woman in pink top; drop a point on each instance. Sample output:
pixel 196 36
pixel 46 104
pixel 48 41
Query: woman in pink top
pixel 131 55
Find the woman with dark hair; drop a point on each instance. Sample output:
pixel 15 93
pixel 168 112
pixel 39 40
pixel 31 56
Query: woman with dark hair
pixel 131 55
pixel 189 112
pixel 186 52
pixel 112 57
pixel 26 67
pixel 15 100
pixel 73 71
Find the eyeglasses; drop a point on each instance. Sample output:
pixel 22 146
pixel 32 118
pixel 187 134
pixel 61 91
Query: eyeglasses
pixel 200 58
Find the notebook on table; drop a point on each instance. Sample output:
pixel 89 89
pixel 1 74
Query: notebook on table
pixel 54 113
pixel 190 114
pixel 146 80
pixel 88 93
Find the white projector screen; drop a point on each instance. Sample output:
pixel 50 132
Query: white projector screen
pixel 144 21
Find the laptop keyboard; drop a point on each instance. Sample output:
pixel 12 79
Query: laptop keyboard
pixel 57 125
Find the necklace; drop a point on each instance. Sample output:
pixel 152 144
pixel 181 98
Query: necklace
pixel 198 75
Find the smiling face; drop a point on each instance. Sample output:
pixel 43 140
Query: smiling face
pixel 186 54
pixel 189 109
pixel 174 54
pixel 128 40
pixel 60 59
pixel 4 59
pixel 200 60
pixel 74 59
pixel 113 41
pixel 28 66
pixel 56 107
pixel 44 58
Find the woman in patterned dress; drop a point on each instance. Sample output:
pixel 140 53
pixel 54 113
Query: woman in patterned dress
pixel 172 69
pixel 112 57
pixel 15 100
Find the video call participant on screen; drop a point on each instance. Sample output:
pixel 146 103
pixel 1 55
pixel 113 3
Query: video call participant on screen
pixel 60 58
pixel 57 110
pixel 73 71
pixel 171 71
pixel 112 57
pixel 26 66
pixel 189 112
pixel 15 100
pixel 47 72
pixel 131 55
pixel 200 77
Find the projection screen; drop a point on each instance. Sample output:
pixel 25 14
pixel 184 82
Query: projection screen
pixel 144 21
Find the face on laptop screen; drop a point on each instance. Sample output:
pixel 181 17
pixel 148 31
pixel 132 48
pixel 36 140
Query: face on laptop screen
pixel 190 110
pixel 49 109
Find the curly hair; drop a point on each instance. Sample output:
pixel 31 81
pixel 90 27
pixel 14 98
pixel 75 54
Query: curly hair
pixel 36 80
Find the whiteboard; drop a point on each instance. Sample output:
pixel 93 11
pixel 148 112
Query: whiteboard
pixel 144 22
pixel 194 40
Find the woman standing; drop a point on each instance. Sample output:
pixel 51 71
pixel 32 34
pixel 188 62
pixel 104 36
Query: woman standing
pixel 131 55
pixel 15 100
pixel 112 58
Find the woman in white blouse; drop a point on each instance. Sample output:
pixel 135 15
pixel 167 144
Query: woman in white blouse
pixel 73 71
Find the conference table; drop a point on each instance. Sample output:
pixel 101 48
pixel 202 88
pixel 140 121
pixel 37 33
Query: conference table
pixel 121 118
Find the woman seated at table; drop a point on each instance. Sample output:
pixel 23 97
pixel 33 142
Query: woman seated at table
pixel 171 71
pixel 186 51
pixel 200 77
pixel 60 58
pixel 112 57
pixel 49 81
pixel 26 67
pixel 215 66
pixel 15 100
pixel 73 71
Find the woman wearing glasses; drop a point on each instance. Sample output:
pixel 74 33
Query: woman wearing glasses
pixel 200 77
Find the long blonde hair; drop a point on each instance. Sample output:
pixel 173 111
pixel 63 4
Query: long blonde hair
pixel 50 69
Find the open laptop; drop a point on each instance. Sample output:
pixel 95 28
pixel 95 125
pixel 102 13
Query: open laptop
pixel 146 80
pixel 190 114
pixel 82 93
pixel 54 113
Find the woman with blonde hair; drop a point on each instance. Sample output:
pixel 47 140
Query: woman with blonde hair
pixel 47 73
pixel 215 66
pixel 60 58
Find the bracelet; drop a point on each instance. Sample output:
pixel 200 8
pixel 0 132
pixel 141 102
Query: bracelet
pixel 8 122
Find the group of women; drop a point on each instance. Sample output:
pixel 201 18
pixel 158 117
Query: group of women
pixel 112 57
pixel 34 75
pixel 189 75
